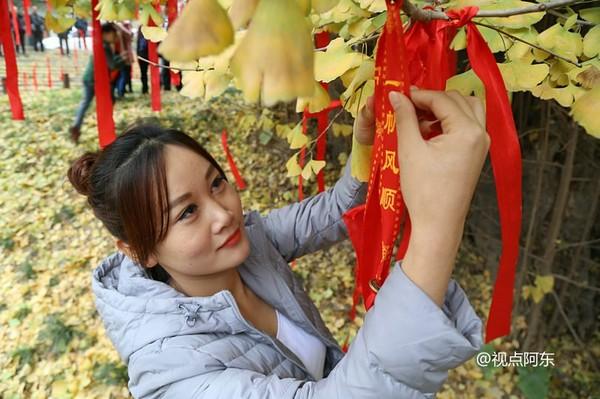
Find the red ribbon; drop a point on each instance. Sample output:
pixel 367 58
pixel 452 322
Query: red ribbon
pixel 12 71
pixel 505 154
pixel 15 23
pixel 374 226
pixel 154 70
pixel 104 107
pixel 431 64
pixel 172 16
pixel 236 173
pixel 26 5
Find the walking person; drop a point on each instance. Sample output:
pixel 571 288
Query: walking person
pixel 142 51
pixel 113 62
pixel 199 299
pixel 37 28
pixel 64 37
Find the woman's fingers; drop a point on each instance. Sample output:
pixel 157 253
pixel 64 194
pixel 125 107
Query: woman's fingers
pixel 407 123
pixel 462 103
pixel 443 106
pixel 477 106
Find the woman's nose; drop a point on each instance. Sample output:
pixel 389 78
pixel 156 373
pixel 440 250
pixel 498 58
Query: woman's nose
pixel 222 217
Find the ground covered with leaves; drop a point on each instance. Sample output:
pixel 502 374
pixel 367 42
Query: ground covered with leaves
pixel 52 341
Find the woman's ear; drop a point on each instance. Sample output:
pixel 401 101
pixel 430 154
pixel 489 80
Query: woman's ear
pixel 126 249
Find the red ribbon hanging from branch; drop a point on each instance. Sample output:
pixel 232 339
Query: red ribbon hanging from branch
pixel 104 107
pixel 12 71
pixel 15 23
pixel 236 173
pixel 374 226
pixel 505 154
pixel 431 64
pixel 154 70
pixel 172 16
pixel 26 5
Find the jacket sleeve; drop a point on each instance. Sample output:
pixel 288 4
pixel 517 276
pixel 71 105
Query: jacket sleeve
pixel 316 222
pixel 404 349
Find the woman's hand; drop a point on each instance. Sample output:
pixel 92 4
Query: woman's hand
pixel 364 124
pixel 438 176
pixel 363 136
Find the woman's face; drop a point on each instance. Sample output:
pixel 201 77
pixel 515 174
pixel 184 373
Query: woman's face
pixel 205 212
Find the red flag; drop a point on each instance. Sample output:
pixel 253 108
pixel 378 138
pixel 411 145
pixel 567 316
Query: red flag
pixel 12 71
pixel 104 107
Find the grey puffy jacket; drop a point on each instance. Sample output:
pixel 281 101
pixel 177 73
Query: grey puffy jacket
pixel 201 347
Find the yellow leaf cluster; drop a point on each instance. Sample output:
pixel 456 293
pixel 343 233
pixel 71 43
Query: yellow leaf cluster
pixel 542 286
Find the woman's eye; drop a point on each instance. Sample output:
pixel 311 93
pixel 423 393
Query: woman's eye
pixel 189 210
pixel 218 181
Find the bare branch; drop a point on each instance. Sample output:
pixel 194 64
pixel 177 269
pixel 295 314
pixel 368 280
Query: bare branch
pixel 577 64
pixel 174 68
pixel 427 15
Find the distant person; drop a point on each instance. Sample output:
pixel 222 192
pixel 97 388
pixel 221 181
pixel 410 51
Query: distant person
pixel 142 51
pixel 64 37
pixel 125 38
pixel 81 25
pixel 113 62
pixel 37 27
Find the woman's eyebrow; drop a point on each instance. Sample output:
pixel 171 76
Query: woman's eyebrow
pixel 179 200
pixel 187 195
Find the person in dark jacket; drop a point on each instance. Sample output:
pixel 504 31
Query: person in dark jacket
pixel 21 29
pixel 113 62
pixel 37 28
pixel 141 49
pixel 200 301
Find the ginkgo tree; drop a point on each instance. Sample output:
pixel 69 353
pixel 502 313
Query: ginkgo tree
pixel 265 47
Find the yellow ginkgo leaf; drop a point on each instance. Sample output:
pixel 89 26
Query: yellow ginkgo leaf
pixel 306 171
pixel 536 294
pixel 337 59
pixel 467 83
pixel 293 168
pixel 154 33
pixel 591 14
pixel 215 83
pixel 274 61
pixel 298 139
pixel 202 29
pixel 321 6
pixel 316 165
pixel 591 42
pixel 563 95
pixel 520 76
pixel 317 102
pixel 565 43
pixel 545 283
pixel 193 84
pixel 341 130
pixel 241 12
pixel 585 110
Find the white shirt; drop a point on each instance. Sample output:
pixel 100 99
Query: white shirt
pixel 309 349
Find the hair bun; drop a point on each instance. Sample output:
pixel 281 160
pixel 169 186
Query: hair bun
pixel 80 170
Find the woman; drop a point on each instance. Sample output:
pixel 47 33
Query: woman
pixel 200 301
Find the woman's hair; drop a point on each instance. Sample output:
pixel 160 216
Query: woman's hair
pixel 126 186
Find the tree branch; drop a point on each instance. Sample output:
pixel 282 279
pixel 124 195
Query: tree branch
pixel 173 68
pixel 427 15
